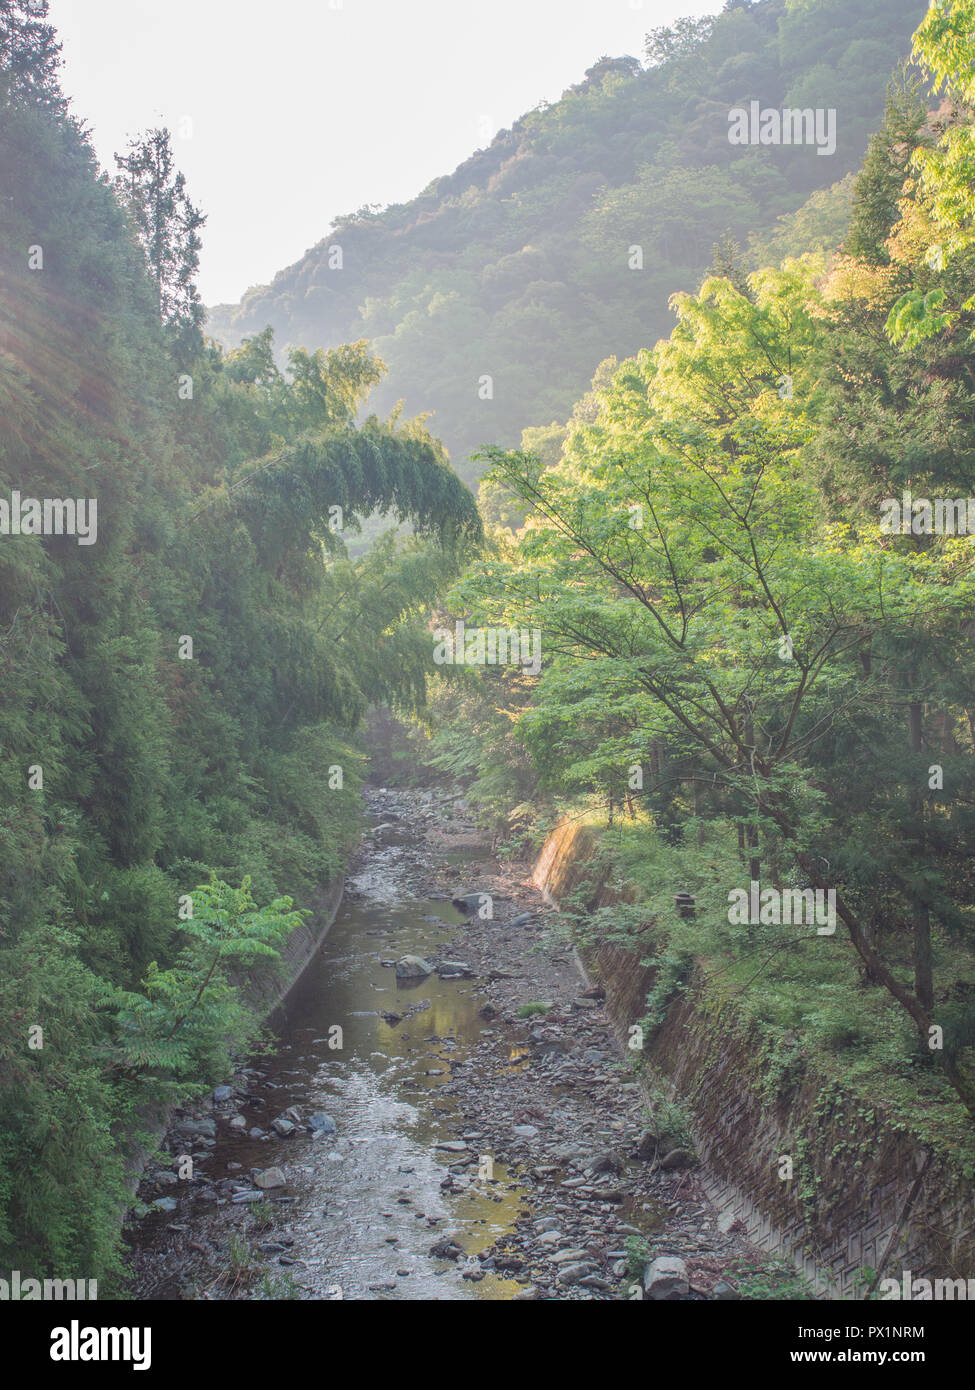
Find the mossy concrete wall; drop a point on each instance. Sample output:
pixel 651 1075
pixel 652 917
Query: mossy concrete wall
pixel 267 989
pixel 264 992
pixel 863 1190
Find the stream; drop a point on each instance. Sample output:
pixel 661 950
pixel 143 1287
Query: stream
pixel 475 1133
pixel 365 1201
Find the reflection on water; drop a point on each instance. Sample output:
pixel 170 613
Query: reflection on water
pixel 366 1204
pixel 374 1203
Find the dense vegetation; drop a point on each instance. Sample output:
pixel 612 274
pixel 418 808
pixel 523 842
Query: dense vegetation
pixel 178 699
pixel 745 672
pixel 744 675
pixel 517 266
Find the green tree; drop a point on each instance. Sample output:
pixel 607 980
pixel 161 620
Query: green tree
pixel 186 1016
pixel 168 225
pixel 941 219
pixel 697 599
pixel 30 56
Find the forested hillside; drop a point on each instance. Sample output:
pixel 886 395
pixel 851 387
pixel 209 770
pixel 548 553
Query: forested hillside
pixel 520 265
pixel 180 690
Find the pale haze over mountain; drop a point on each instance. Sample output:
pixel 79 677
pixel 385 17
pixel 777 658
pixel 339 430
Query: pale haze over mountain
pixel 377 96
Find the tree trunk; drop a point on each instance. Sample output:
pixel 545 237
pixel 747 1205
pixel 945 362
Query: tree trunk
pixel 923 970
pixel 697 810
pixel 754 863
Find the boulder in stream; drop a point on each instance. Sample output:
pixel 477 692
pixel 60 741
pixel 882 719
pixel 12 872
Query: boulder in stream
pixel 446 1249
pixel 413 968
pixel 455 968
pixel 321 1124
pixel 470 903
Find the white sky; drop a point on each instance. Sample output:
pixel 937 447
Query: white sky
pixel 307 109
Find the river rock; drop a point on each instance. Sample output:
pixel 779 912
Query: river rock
pixel 469 903
pixel 606 1162
pixel 271 1177
pixel 321 1124
pixel 446 1250
pixel 567 1152
pixel 413 968
pixel 283 1126
pixel 567 1257
pixel 194 1128
pixel 647 1145
pixel 665 1279
pixel 454 967
pixel 384 835
pixel 723 1291
pixel 509 1263
pixel 223 1093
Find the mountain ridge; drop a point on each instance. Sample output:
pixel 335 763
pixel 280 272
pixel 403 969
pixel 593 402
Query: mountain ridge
pixel 495 293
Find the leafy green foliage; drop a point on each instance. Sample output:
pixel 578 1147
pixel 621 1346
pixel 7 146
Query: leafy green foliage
pixel 224 512
pixel 722 613
pixel 187 1015
pixel 773 1279
pixel 944 46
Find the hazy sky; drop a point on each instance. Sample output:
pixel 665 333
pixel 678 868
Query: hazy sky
pixel 306 109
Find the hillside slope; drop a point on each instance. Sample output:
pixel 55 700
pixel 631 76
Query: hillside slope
pixel 517 266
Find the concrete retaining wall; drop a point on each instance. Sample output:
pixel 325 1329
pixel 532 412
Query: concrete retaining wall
pixel 264 991
pixel 863 1189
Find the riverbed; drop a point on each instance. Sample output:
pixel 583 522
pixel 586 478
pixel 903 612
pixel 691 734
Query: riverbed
pixel 471 1134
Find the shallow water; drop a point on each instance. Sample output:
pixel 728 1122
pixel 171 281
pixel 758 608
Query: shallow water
pixel 366 1204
